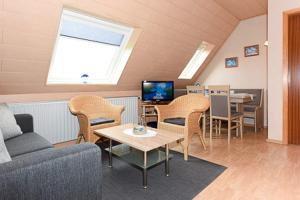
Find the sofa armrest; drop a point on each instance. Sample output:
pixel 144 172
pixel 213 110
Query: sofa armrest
pixel 68 173
pixel 25 121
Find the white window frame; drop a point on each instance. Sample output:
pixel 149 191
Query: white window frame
pixel 120 60
pixel 197 60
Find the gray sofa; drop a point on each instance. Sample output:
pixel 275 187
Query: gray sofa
pixel 39 171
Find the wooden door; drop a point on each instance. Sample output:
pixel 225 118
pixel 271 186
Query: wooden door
pixel 294 79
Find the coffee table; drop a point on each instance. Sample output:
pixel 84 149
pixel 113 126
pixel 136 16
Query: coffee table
pixel 140 152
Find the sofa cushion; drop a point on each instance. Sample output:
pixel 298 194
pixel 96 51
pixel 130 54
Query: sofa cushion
pixel 8 123
pixel 101 120
pixel 4 156
pixel 26 143
pixel 177 121
pixel 25 121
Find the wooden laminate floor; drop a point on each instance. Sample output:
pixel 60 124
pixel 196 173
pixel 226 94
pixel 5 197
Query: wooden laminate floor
pixel 256 169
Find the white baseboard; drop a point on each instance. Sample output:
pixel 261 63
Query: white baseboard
pixel 274 141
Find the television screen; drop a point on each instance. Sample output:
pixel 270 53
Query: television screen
pixel 157 90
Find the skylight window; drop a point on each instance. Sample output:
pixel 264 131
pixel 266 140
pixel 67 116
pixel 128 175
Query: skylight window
pixel 197 60
pixel 89 50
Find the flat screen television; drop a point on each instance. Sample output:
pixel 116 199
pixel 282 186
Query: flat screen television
pixel 155 91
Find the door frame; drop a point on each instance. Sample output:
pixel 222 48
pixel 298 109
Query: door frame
pixel 286 77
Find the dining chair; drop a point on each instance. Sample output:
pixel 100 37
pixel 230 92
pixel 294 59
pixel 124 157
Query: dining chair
pixel 94 112
pixel 221 110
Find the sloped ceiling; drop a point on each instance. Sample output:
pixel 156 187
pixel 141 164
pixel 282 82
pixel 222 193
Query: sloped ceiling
pixel 244 9
pixel 171 32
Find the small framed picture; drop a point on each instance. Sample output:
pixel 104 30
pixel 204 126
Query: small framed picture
pixel 251 50
pixel 231 62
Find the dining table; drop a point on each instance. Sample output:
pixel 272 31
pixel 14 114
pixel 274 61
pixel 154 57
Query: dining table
pixel 239 99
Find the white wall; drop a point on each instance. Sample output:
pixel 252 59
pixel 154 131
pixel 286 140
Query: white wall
pixel 275 64
pixel 252 71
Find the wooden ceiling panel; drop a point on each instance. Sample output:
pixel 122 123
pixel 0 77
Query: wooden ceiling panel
pixel 246 8
pixel 31 23
pixel 27 39
pixel 25 53
pixel 24 66
pixel 7 78
pixel 32 8
pixel 171 32
pixel 1 17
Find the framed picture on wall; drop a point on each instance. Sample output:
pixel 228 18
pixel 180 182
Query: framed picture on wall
pixel 251 50
pixel 231 62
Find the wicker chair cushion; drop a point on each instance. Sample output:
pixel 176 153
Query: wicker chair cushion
pixel 177 121
pixel 101 120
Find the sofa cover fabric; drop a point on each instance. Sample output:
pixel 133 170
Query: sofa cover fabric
pixel 26 143
pixel 67 173
pixel 4 156
pixel 8 123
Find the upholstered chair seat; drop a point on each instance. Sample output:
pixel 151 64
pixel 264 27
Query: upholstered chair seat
pixel 176 120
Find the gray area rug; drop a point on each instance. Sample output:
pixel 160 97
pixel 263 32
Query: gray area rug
pixel 186 180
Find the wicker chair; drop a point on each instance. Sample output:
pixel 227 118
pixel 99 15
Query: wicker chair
pixel 205 116
pixel 94 112
pixel 182 115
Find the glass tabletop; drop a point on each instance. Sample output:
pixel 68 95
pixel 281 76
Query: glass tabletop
pixel 136 157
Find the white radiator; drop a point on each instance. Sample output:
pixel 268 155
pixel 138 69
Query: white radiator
pixel 54 121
